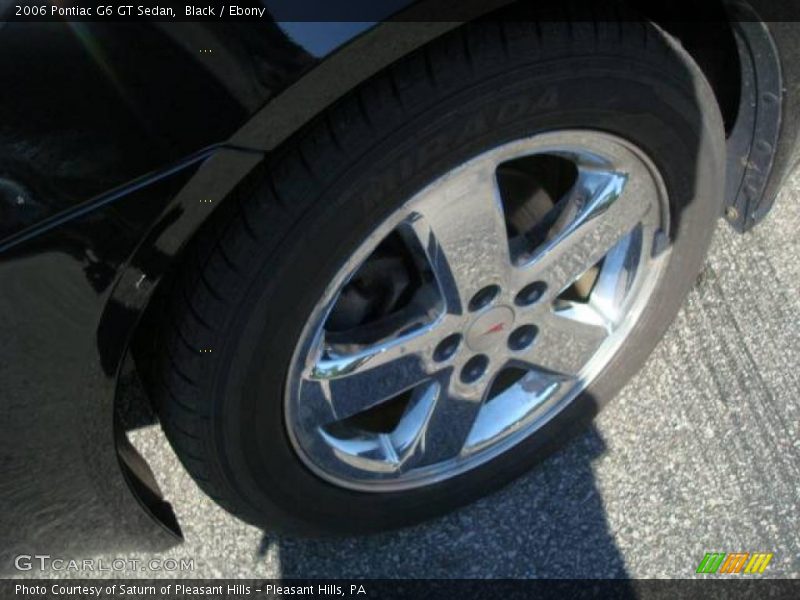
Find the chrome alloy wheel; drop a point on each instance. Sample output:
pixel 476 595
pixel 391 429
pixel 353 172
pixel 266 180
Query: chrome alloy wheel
pixel 477 311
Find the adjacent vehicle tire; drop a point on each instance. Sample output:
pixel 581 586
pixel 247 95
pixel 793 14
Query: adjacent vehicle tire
pixel 429 287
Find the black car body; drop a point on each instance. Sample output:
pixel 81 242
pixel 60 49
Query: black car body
pixel 118 141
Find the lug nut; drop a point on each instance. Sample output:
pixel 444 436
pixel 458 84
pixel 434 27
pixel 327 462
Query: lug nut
pixel 522 337
pixel 447 347
pixel 530 294
pixel 484 297
pixel 474 369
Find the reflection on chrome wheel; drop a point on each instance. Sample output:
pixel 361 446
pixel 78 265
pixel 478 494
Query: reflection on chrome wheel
pixel 477 311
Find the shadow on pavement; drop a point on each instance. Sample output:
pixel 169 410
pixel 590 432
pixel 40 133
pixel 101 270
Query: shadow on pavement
pixel 550 523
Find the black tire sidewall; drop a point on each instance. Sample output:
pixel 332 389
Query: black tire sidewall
pixel 663 115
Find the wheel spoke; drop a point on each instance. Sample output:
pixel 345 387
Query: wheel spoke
pixel 461 228
pixel 356 382
pixel 445 432
pixel 515 405
pixel 387 452
pixel 611 207
pixel 613 281
pixel 567 339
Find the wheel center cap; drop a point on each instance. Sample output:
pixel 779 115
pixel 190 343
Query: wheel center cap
pixel 490 328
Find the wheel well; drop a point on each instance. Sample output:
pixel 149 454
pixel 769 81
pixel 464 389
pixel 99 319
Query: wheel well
pixel 712 45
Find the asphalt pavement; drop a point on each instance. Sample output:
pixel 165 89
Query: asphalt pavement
pixel 699 453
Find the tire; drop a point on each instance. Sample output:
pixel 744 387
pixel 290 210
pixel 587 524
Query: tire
pixel 252 277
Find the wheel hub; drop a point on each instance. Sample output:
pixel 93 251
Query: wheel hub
pixel 490 329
